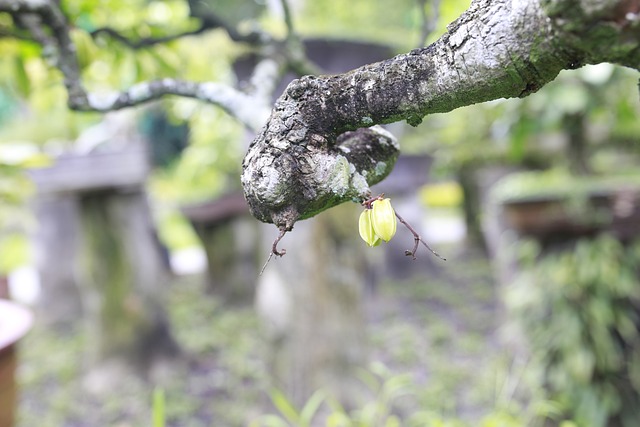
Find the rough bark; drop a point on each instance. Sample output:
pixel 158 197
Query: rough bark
pixel 497 49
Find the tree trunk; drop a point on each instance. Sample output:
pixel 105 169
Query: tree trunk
pixel 120 286
pixel 313 307
pixel 577 150
pixel 232 260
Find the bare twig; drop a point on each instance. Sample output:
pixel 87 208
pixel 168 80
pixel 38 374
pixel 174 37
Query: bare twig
pixel 58 47
pixel 274 249
pixel 243 107
pixel 288 20
pixel 417 240
pixel 148 41
pixel 210 21
pixel 429 20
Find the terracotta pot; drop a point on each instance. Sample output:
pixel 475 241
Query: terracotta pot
pixel 15 321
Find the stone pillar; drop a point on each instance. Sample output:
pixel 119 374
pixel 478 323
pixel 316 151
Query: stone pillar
pixel 121 281
pixel 55 244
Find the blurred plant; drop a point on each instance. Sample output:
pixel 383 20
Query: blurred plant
pixel 536 131
pixel 441 195
pixel 380 411
pixel 15 189
pixel 158 408
pixel 379 21
pixel 580 313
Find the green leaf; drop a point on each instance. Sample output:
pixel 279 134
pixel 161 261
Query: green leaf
pixel 158 408
pixel 311 407
pixel 285 407
pixel 22 82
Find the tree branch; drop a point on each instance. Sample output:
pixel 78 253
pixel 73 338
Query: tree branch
pixel 210 21
pixel 38 16
pixel 288 20
pixel 429 20
pixel 497 49
pixel 249 110
pixel 14 34
pixel 147 41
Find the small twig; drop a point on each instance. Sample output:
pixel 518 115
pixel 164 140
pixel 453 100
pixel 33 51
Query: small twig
pixel 288 20
pixel 274 249
pixel 148 41
pixel 428 21
pixel 417 239
pixel 367 203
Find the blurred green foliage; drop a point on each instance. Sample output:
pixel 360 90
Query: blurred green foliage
pixel 393 23
pixel 15 189
pixel 533 130
pixel 579 312
pixel 433 337
pixel 441 195
pixel 381 411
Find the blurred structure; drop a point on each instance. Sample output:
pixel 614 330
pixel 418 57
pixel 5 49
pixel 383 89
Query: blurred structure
pixel 231 239
pixel 98 256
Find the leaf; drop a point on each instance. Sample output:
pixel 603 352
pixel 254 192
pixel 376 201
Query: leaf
pixel 158 408
pixel 22 82
pixel 311 407
pixel 285 407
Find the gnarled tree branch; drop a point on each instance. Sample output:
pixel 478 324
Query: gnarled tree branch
pixel 497 49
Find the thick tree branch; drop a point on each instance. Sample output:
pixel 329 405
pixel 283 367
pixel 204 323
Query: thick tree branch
pixel 497 49
pixel 57 47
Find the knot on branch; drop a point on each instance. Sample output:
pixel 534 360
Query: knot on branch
pixel 293 172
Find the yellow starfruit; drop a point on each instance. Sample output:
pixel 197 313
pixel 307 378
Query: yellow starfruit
pixel 383 219
pixel 366 229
